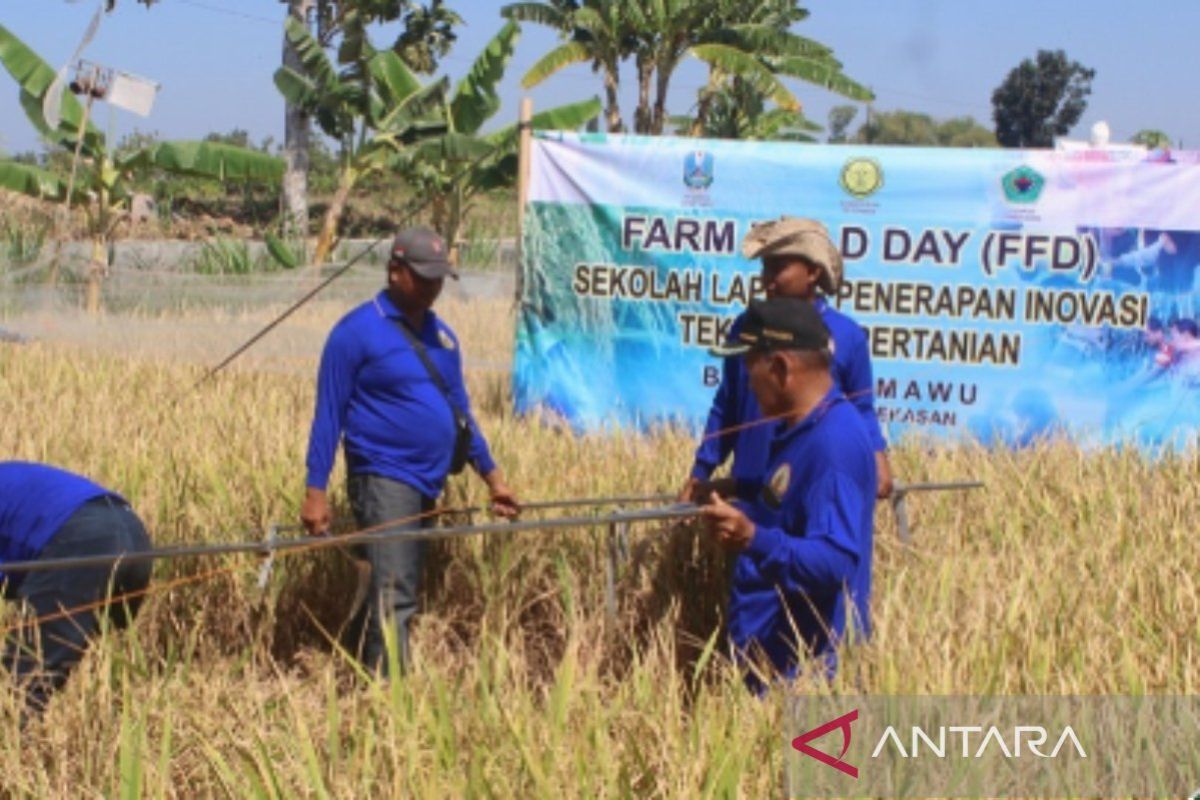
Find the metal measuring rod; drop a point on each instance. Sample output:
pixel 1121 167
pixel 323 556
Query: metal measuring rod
pixel 900 495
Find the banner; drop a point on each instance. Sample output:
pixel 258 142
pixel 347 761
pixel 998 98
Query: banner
pixel 1007 294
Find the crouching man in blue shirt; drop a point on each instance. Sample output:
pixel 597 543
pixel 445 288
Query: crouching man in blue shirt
pixel 398 423
pixel 48 513
pixel 803 538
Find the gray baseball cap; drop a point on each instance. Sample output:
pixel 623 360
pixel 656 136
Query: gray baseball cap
pixel 424 251
pixel 797 236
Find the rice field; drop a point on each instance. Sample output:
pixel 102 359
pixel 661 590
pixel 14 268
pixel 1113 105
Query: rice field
pixel 1071 573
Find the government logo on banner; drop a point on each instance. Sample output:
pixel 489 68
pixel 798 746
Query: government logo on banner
pixel 1023 185
pixel 698 169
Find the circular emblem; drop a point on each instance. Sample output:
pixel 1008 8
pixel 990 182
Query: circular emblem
pixel 445 339
pixel 780 480
pixel 861 177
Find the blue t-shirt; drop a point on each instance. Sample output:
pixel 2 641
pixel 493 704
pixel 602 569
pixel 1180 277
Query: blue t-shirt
pixel 35 501
pixel 808 567
pixel 374 393
pixel 735 405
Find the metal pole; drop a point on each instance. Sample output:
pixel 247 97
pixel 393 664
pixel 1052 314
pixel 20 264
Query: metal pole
pixel 583 502
pixel 89 87
pixel 610 574
pixel 260 547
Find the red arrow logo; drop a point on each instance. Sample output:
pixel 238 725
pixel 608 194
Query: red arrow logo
pixel 801 743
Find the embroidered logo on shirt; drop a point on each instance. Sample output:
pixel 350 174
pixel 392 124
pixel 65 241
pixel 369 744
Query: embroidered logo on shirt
pixel 445 339
pixel 777 487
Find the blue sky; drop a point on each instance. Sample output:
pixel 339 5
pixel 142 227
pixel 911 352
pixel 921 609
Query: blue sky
pixel 214 59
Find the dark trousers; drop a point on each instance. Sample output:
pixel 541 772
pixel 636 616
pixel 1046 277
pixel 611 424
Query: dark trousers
pixel 43 652
pixel 395 566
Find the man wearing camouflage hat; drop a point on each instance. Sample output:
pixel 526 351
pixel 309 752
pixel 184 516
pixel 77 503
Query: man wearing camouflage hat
pixel 390 389
pixel 798 260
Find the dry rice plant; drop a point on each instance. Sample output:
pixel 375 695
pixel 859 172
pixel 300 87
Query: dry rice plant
pixel 1072 573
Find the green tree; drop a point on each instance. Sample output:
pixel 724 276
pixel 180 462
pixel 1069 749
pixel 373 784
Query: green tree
pixel 749 41
pixel 1152 138
pixel 739 110
pixel 596 31
pixel 452 170
pixel 752 44
pixel 373 107
pixel 915 128
pixel 426 33
pixel 840 118
pixel 964 132
pixel 104 183
pixel 1041 99
pixel 898 127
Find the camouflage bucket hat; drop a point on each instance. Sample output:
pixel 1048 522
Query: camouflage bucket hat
pixel 797 236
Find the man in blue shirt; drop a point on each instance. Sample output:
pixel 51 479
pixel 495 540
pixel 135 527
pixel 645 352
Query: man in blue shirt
pixel 48 513
pixel 398 428
pixel 803 537
pixel 798 260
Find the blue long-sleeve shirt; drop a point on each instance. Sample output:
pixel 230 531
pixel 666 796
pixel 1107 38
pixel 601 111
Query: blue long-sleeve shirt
pixel 735 406
pixel 35 501
pixel 808 567
pixel 374 393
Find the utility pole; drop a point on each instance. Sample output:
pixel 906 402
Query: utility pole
pixel 296 129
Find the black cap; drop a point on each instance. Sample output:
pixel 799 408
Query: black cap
pixel 780 323
pixel 424 251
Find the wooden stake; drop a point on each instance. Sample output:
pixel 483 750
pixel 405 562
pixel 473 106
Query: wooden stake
pixel 524 141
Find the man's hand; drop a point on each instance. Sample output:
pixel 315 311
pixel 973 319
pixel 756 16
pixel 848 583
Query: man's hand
pixel 690 491
pixel 883 472
pixel 314 513
pixel 733 529
pixel 696 490
pixel 504 502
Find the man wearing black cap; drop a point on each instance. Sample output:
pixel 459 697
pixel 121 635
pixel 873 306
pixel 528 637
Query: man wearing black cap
pixel 804 538
pixel 798 260
pixel 390 387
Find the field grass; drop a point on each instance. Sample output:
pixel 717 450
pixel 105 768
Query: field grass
pixel 1070 574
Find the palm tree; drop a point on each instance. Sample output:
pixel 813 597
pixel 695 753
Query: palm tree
pixel 426 36
pixel 738 110
pixel 296 128
pixel 373 107
pixel 452 169
pixel 597 31
pixel 751 42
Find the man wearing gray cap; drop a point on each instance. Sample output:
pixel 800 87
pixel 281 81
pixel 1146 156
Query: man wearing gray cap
pixel 798 260
pixel 390 388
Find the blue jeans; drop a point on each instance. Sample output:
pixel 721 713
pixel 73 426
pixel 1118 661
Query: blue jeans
pixel 395 566
pixel 42 654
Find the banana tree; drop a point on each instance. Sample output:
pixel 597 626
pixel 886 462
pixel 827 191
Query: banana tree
pixel 373 106
pixel 739 110
pixel 103 187
pixel 454 169
pixel 597 31
pixel 749 41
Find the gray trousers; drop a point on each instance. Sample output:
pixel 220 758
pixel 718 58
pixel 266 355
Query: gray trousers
pixel 395 566
pixel 42 655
